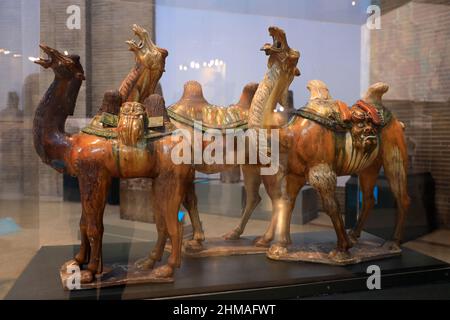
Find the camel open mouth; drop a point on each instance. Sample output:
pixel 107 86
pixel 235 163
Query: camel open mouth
pixel 45 62
pixel 278 39
pixel 141 34
pixel 278 44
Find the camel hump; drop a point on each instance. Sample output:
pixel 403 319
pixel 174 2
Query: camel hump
pixel 375 93
pixel 155 106
pixel 193 91
pixel 318 90
pixel 247 95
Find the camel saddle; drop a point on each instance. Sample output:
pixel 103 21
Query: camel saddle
pixel 337 116
pixel 156 120
pixel 193 107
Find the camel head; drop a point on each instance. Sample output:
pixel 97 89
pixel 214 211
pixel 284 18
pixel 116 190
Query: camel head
pixel 146 52
pixel 64 66
pixel 280 53
pixel 282 68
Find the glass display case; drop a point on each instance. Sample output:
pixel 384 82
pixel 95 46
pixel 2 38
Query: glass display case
pixel 235 149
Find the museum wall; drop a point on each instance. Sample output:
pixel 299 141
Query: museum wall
pixel 410 52
pixel 20 18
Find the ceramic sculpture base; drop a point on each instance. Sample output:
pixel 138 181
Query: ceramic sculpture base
pixel 218 247
pixel 364 250
pixel 114 275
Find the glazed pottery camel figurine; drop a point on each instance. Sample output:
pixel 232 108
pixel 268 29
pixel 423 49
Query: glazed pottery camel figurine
pixel 132 152
pixel 194 107
pixel 326 139
pixel 271 90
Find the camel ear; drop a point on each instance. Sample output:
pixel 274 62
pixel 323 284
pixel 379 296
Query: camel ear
pixel 375 93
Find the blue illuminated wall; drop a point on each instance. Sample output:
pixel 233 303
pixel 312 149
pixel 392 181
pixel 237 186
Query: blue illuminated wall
pixel 330 51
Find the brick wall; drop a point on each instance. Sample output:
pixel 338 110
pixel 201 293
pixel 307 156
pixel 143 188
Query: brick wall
pixel 410 53
pixel 428 138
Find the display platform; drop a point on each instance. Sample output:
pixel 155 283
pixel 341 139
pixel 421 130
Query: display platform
pixel 233 277
pixel 217 247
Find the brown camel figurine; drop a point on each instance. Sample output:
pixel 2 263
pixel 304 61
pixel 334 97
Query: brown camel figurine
pixel 134 151
pixel 326 139
pixel 272 90
pixel 322 141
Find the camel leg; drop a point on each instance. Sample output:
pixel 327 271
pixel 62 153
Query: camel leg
pixel 274 188
pixel 287 203
pixel 252 181
pixel 395 164
pixel 367 180
pixel 82 257
pixel 323 179
pixel 294 184
pixel 158 250
pixel 274 195
pixel 190 203
pixel 94 190
pixel 171 191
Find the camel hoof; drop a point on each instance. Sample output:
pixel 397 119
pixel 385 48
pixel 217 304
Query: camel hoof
pixel 277 250
pixel 339 256
pixel 144 264
pixel 261 242
pixel 199 237
pixel 80 260
pixel 392 246
pixel 353 237
pixel 193 245
pixel 72 262
pixel 165 271
pixel 86 276
pixel 232 235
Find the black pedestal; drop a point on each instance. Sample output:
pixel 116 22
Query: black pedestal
pixel 234 277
